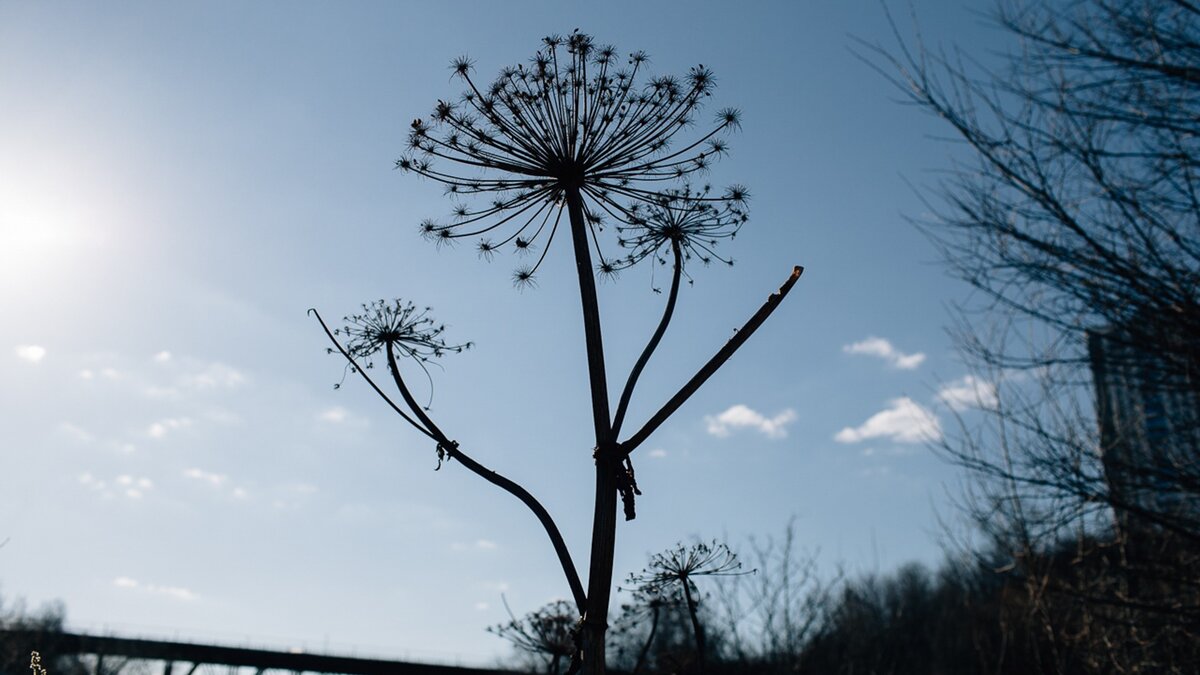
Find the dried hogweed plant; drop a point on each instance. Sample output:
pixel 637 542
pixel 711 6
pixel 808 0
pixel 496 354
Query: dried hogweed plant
pixel 583 132
pixel 674 572
pixel 548 633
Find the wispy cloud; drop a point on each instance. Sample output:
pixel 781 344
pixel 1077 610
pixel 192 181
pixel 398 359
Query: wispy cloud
pixel 214 376
pixel 479 545
pixel 221 484
pixel 132 487
pixel 903 421
pixel 31 353
pixel 175 592
pixel 88 480
pixel 162 357
pixel 213 479
pixel 75 433
pixel 657 453
pixel 742 417
pixel 883 349
pixel 161 428
pixel 335 415
pixel 968 392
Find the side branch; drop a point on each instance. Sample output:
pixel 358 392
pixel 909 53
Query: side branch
pixel 512 487
pixel 711 367
pixel 359 369
pixel 430 429
pixel 627 394
pixel 543 516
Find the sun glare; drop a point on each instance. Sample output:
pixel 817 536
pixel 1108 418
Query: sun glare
pixel 44 237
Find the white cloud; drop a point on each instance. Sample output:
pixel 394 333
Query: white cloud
pixel 86 374
pixel 657 453
pixel 31 353
pixel 162 427
pixel 131 487
pixel 904 421
pixel 214 376
pixel 881 348
pixel 162 357
pixel 479 545
pixel 481 606
pixel 123 448
pixel 214 479
pixel 968 392
pixel 334 415
pixel 175 592
pixel 740 416
pixel 75 433
pixel 126 479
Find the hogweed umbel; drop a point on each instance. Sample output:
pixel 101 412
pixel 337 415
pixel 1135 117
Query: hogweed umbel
pixel 688 218
pixel 574 120
pixel 400 324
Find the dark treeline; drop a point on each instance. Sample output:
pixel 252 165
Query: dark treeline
pixel 40 629
pixel 1072 608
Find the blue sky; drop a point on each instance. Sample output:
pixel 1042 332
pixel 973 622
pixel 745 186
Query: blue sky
pixel 179 183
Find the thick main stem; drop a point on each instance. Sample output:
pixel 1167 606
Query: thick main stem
pixel 697 628
pixel 604 519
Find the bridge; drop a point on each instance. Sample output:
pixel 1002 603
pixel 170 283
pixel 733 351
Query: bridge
pixel 183 658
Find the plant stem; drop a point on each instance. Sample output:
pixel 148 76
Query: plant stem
pixel 641 659
pixel 713 364
pixel 604 519
pixel 506 484
pixel 697 629
pixel 634 374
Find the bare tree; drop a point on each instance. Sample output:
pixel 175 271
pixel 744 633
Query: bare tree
pixel 577 131
pixel 1075 216
pixel 770 616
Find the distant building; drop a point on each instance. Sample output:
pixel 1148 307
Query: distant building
pixel 1148 408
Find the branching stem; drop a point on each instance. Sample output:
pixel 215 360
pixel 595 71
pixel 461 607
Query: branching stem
pixel 634 374
pixel 430 429
pixel 711 367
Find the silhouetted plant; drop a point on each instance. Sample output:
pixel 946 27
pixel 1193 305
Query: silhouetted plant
pixel 575 129
pixel 645 611
pixel 548 634
pixel 574 132
pixel 676 570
